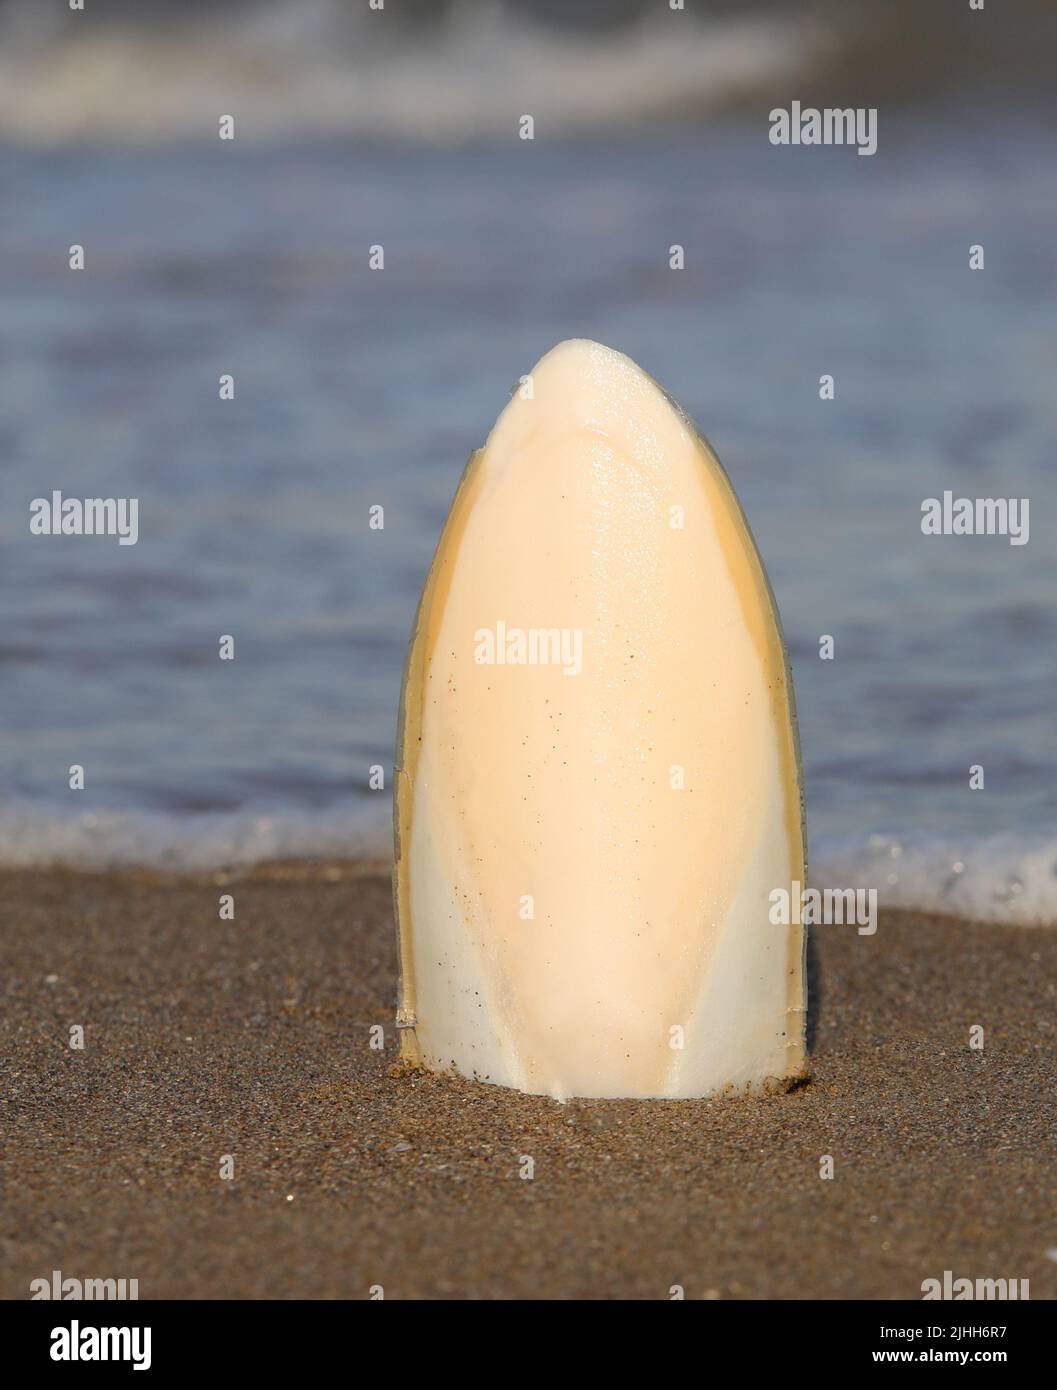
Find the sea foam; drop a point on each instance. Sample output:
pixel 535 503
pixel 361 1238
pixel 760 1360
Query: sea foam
pixel 33 836
pixel 1002 878
pixel 999 878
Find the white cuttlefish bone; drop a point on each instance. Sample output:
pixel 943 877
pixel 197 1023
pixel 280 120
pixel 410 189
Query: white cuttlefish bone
pixel 598 780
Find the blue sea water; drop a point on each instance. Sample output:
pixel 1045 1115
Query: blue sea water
pixel 357 387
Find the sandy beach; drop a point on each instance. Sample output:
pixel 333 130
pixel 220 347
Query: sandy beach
pixel 251 1038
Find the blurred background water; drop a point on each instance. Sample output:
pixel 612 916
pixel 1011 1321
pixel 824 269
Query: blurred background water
pixel 357 387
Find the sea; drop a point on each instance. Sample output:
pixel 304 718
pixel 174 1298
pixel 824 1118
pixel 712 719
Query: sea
pixel 357 388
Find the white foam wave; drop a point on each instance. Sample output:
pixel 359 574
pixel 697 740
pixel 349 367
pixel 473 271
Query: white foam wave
pixel 38 837
pixel 293 72
pixel 1003 878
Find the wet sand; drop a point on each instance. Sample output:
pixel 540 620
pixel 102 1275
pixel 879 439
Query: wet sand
pixel 251 1038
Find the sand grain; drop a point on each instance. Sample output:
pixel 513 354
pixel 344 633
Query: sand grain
pixel 251 1038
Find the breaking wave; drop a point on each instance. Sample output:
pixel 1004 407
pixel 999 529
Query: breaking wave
pixel 33 836
pixel 294 70
pixel 1001 878
pixel 1005 878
